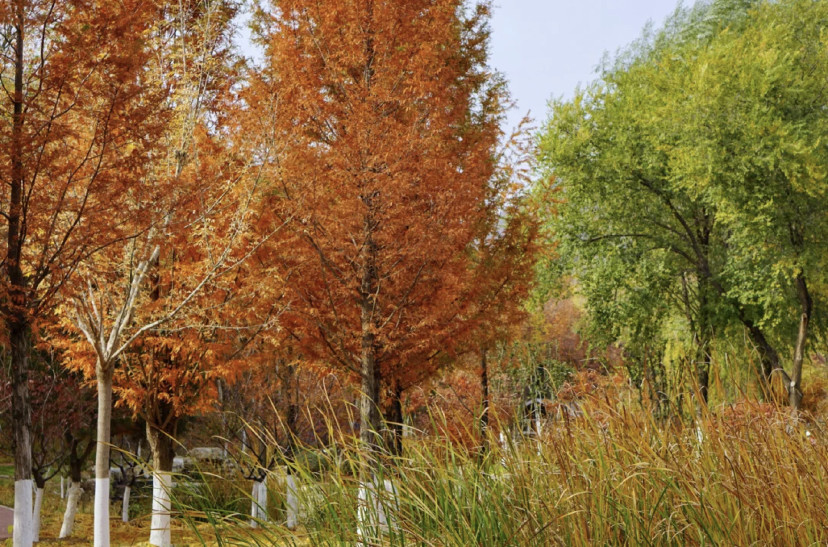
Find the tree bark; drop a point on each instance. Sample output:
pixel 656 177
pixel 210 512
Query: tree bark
pixel 292 413
pixel 806 308
pixel 16 313
pixel 101 532
pixel 370 419
pixel 369 404
pixel 72 501
pixel 161 447
pixel 40 485
pixel 22 423
pixel 291 500
pixel 704 329
pixel 254 505
pixel 258 509
pixel 76 462
pixel 484 400
pixel 394 421
pixel 125 504
pixel 38 504
pixel 769 360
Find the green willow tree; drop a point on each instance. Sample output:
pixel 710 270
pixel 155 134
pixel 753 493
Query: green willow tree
pixel 691 175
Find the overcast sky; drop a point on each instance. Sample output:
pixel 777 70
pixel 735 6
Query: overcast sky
pixel 547 47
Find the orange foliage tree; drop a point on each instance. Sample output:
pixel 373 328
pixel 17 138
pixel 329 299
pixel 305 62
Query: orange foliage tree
pixel 78 129
pixel 386 120
pixel 158 305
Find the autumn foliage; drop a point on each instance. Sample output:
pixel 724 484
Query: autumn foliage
pixel 386 122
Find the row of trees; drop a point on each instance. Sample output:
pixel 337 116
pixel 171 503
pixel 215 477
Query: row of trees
pixel 693 173
pixel 175 215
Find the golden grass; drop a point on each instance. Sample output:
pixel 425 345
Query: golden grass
pixel 741 474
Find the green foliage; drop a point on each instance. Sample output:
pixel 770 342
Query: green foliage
pixel 693 178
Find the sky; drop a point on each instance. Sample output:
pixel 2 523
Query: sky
pixel 547 47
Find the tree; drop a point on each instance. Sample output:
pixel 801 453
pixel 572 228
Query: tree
pixel 385 121
pixel 79 126
pixel 144 302
pixel 383 188
pixel 754 147
pixel 62 408
pixel 665 163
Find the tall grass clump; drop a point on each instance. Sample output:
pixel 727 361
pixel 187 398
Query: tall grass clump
pixel 740 475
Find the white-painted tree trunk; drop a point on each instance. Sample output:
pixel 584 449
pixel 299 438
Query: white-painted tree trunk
pixel 101 526
pixel 72 502
pixel 160 535
pixel 291 501
pixel 254 504
pixel 504 445
pixel 125 504
pixel 372 519
pixel 22 534
pixel 62 488
pixel 263 501
pixel 101 532
pixel 367 525
pixel 38 504
pixel 258 508
pixel 538 427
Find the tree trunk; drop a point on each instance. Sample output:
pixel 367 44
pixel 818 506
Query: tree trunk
pixel 394 421
pixel 22 423
pixel 125 504
pixel 76 462
pixel 254 505
pixel 291 501
pixel 73 498
pixel 72 501
pixel 292 414
pixel 16 312
pixel 369 437
pixel 370 420
pixel 161 447
pixel 369 402
pixel 258 509
pixel 703 338
pixel 38 504
pixel 263 515
pixel 101 532
pixel 484 402
pixel 291 498
pixel 806 305
pixel 769 360
pixel 702 365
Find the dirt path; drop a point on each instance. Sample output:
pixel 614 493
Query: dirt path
pixel 6 520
